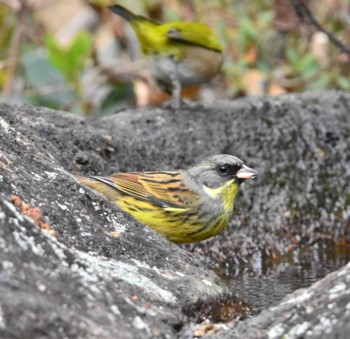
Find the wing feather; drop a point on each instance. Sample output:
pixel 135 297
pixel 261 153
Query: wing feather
pixel 194 33
pixel 163 189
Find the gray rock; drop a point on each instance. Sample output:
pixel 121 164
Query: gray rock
pixel 89 282
pixel 320 311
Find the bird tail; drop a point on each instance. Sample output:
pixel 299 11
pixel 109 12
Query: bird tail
pixel 102 185
pixel 122 11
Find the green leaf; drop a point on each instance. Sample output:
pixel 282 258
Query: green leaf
pixel 344 83
pixel 265 18
pixel 292 56
pixel 45 85
pixel 70 60
pixel 321 83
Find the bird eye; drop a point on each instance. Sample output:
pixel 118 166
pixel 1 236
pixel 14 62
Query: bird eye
pixel 226 169
pixel 223 169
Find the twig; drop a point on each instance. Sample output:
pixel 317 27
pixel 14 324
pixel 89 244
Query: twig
pixel 14 52
pixel 304 13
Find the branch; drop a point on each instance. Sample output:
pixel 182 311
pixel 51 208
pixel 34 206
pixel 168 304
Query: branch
pixel 304 13
pixel 14 51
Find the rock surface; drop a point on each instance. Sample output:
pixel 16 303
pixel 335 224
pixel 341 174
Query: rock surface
pixel 320 311
pixel 102 274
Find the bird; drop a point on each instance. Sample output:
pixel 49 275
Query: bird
pixel 184 205
pixel 179 54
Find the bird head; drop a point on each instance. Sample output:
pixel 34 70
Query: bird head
pixel 216 170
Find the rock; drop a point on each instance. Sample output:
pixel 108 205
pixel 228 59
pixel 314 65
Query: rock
pixel 73 265
pixel 320 311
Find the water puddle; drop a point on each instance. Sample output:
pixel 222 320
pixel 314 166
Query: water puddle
pixel 265 283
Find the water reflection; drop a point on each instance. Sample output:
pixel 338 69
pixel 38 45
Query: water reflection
pixel 264 284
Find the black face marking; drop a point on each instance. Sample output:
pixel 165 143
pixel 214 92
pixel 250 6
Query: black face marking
pixel 239 181
pixel 228 170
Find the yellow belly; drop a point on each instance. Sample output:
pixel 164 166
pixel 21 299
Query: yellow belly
pixel 179 227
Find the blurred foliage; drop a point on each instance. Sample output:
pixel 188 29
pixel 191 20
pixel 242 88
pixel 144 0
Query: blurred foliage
pixel 7 24
pixel 75 55
pixel 70 60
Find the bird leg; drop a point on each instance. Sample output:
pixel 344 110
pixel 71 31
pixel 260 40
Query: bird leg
pixel 175 102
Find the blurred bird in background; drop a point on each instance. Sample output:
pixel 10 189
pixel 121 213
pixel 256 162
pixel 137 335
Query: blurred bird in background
pixel 179 54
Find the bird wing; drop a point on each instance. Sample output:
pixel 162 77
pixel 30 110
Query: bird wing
pixel 164 189
pixel 194 33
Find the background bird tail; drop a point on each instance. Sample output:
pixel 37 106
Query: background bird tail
pixel 123 12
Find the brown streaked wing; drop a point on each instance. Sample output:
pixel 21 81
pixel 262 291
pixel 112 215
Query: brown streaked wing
pixel 163 188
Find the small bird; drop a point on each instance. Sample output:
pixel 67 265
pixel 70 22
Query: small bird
pixel 185 205
pixel 179 53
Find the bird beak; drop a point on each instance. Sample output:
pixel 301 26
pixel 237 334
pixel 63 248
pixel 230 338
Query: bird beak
pixel 246 173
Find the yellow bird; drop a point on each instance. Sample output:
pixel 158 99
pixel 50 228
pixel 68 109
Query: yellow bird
pixel 179 53
pixel 186 205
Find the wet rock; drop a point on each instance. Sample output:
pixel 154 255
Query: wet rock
pixel 320 311
pixel 73 265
